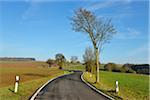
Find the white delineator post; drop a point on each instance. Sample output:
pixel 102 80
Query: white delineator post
pixel 117 87
pixel 16 84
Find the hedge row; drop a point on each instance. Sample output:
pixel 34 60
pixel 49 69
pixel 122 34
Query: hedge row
pixel 128 68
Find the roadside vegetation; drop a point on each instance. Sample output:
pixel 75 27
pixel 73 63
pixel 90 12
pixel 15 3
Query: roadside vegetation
pixel 62 63
pixel 131 86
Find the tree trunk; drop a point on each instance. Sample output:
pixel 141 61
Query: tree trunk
pixel 97 63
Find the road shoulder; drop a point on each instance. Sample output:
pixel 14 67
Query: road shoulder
pixel 95 89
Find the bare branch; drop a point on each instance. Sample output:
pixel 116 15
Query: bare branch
pixel 100 30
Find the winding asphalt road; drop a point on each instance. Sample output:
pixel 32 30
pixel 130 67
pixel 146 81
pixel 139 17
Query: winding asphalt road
pixel 69 87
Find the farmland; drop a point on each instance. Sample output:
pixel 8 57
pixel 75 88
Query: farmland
pixel 132 86
pixel 32 76
pixel 74 66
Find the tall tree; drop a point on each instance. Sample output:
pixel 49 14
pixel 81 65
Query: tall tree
pixel 99 30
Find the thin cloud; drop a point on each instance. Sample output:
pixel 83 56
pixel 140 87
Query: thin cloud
pixel 139 51
pixel 60 0
pixel 129 33
pixel 138 55
pixel 114 17
pixel 31 10
pixel 107 4
pixel 97 6
pixel 118 14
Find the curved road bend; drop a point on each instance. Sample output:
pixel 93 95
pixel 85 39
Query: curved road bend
pixel 69 87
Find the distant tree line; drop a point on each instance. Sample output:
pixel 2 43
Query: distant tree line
pixel 16 59
pixel 128 68
pixel 60 61
pixel 90 65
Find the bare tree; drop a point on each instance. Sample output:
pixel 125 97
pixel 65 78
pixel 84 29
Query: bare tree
pixel 99 30
pixel 74 59
pixel 89 59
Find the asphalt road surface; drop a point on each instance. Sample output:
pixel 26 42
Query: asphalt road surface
pixel 68 87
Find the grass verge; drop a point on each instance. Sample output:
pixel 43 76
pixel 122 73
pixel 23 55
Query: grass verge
pixel 131 86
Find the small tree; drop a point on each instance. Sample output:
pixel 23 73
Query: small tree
pixel 50 62
pixel 74 59
pixel 89 60
pixel 99 31
pixel 60 59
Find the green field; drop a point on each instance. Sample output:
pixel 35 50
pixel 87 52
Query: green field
pixel 32 76
pixel 131 86
pixel 74 67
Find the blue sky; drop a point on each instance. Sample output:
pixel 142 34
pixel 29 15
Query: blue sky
pixel 41 29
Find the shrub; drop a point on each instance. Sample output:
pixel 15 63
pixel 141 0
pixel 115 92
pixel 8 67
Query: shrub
pixel 111 67
pixel 126 68
pixel 131 71
pixel 116 69
pixel 123 70
pixel 90 66
pixel 141 68
pixel 51 62
pixel 143 71
pixel 60 67
pixel 108 67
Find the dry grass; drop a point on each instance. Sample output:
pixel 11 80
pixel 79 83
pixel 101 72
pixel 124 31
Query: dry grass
pixel 26 70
